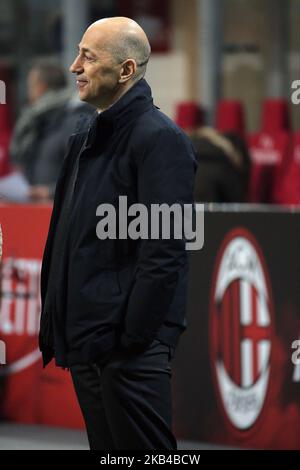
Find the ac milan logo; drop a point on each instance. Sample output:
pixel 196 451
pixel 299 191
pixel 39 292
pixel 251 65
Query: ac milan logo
pixel 241 329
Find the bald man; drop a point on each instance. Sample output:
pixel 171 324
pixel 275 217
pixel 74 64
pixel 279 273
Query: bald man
pixel 113 305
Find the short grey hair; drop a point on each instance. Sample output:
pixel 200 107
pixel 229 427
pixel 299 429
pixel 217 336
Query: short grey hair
pixel 130 46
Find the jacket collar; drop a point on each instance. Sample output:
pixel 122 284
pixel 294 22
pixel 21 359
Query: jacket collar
pixel 133 103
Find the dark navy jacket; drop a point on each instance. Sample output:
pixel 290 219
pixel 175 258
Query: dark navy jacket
pixel 118 293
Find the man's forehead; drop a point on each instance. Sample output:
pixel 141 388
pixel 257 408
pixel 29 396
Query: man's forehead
pixel 84 47
pixel 94 35
pixel 92 43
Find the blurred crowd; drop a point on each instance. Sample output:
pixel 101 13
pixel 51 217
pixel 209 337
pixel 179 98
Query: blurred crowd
pixel 235 166
pixel 41 133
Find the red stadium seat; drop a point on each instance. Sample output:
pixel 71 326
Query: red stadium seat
pixel 189 115
pixel 230 117
pixel 269 154
pixel 269 150
pixel 288 191
pixel 275 116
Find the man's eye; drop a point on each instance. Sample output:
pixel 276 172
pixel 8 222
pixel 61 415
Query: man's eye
pixel 89 58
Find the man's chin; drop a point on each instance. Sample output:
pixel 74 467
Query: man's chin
pixel 87 99
pixel 82 96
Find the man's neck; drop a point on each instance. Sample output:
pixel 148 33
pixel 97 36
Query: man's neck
pixel 118 96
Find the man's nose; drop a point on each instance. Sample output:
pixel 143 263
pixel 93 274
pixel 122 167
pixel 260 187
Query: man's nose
pixel 76 66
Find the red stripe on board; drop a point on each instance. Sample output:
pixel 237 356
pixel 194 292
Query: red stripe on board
pixel 226 307
pixel 236 339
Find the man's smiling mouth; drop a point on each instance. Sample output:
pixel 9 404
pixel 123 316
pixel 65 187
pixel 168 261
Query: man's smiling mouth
pixel 81 83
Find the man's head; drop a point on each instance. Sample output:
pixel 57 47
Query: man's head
pixel 44 77
pixel 113 56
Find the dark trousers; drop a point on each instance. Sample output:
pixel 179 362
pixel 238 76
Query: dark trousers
pixel 127 404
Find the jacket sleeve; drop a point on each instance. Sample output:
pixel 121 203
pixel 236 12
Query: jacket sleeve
pixel 165 174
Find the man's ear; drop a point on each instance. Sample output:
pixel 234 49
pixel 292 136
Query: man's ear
pixel 128 70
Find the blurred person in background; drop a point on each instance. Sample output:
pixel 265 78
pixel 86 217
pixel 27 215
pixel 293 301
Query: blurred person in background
pixel 41 134
pixel 223 166
pixel 113 310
